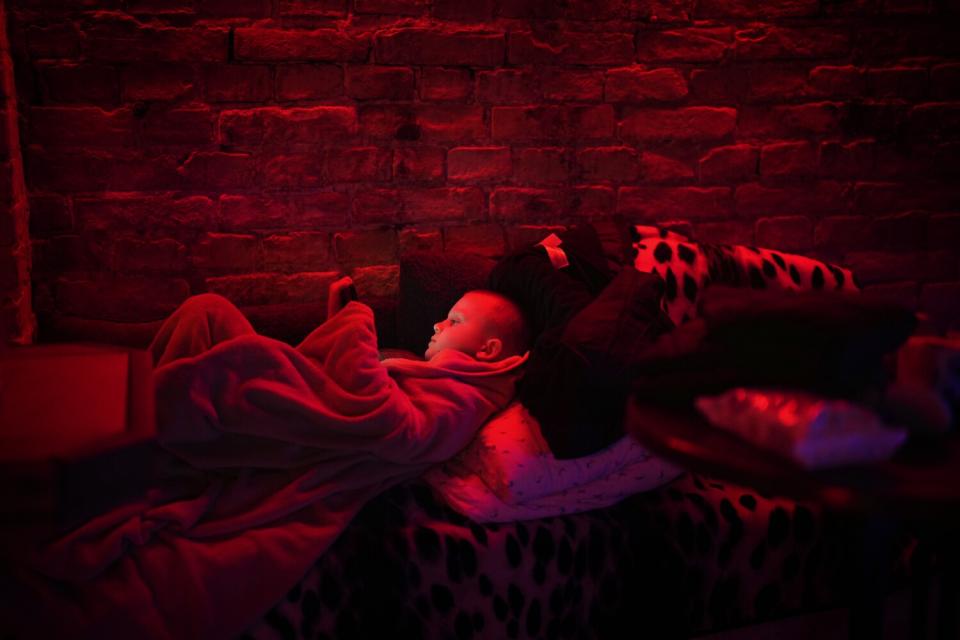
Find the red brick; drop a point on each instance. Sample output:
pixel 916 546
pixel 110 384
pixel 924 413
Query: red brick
pixel 296 251
pixel 431 205
pixel 615 164
pixel 895 161
pixel 775 83
pixel 139 256
pixel 146 214
pixel 687 124
pixel 936 119
pixel 905 7
pixel 80 127
pixel 695 44
pixel 418 164
pixel 116 170
pixel 53 41
pixel 451 122
pixel 308 81
pixel 122 299
pixel 90 83
pixel 9 274
pixel 841 232
pixel 585 122
pixel 941 301
pixel 590 202
pixel 62 255
pixel 665 203
pixel 161 81
pixel 899 232
pixel 418 239
pixel 720 86
pixel 355 248
pixel 130 41
pixel 286 45
pixel 314 8
pixel 786 233
pixel 905 83
pixel 729 232
pixel 507 86
pixel 522 236
pixel 788 160
pixel 634 84
pixel 658 169
pixel 480 239
pixel 460 11
pixel 392 7
pixel 391 122
pixel 755 9
pixel 294 171
pixel 540 165
pixel 818 199
pixel 274 126
pixel 238 83
pixel 944 231
pixel 884 266
pixel 478 163
pixel 358 164
pixel 234 8
pixel 193 127
pixel 784 121
pixel 247 213
pixel 370 82
pixel 273 288
pixel 516 204
pixel 847 160
pixel 564 47
pixel 376 206
pixel 737 163
pixel 218 170
pixel 49 214
pixel 830 82
pixel 441 84
pixel 440 46
pixel 945 81
pixel 769 42
pixel 571 85
pixel 380 281
pixel 882 197
pixel 527 123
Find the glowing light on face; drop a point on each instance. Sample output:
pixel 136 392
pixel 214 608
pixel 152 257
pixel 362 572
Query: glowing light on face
pixel 466 328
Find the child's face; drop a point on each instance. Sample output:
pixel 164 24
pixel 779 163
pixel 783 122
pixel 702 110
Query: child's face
pixel 467 328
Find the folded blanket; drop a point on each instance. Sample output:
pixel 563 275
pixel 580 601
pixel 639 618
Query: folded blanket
pixel 284 446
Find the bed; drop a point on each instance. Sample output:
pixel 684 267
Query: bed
pixel 689 556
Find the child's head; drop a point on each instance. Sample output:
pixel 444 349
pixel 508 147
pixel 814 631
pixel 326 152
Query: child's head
pixel 482 324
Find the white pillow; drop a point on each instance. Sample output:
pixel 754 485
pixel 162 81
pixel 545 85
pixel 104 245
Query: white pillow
pixel 511 457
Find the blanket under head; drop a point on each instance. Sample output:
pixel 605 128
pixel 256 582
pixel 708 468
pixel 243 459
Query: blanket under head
pixel 283 446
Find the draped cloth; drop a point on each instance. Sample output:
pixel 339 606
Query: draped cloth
pixel 272 450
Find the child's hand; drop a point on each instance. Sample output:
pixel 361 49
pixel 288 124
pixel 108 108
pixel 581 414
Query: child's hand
pixel 341 292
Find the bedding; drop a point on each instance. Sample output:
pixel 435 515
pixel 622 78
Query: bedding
pixel 285 446
pixel 687 267
pixel 509 473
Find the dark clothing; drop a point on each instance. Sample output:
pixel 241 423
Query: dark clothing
pixel 575 382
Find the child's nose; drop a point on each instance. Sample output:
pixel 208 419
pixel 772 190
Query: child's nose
pixel 436 328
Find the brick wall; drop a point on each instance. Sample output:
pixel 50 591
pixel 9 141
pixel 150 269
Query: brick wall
pixel 256 147
pixel 17 324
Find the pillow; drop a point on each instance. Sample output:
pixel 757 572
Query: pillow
pixel 430 283
pixel 686 267
pixel 511 457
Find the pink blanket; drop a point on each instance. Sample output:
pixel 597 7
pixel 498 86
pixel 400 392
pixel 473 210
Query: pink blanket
pixel 285 445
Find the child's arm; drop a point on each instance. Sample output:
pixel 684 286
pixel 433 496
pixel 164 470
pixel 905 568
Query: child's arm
pixel 341 292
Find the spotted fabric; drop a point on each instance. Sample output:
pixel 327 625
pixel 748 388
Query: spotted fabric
pixel 694 555
pixel 687 267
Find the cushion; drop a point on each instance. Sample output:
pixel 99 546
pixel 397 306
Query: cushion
pixel 430 283
pixel 511 457
pixel 687 267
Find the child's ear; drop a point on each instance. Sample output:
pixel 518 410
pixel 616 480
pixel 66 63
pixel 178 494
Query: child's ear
pixel 490 350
